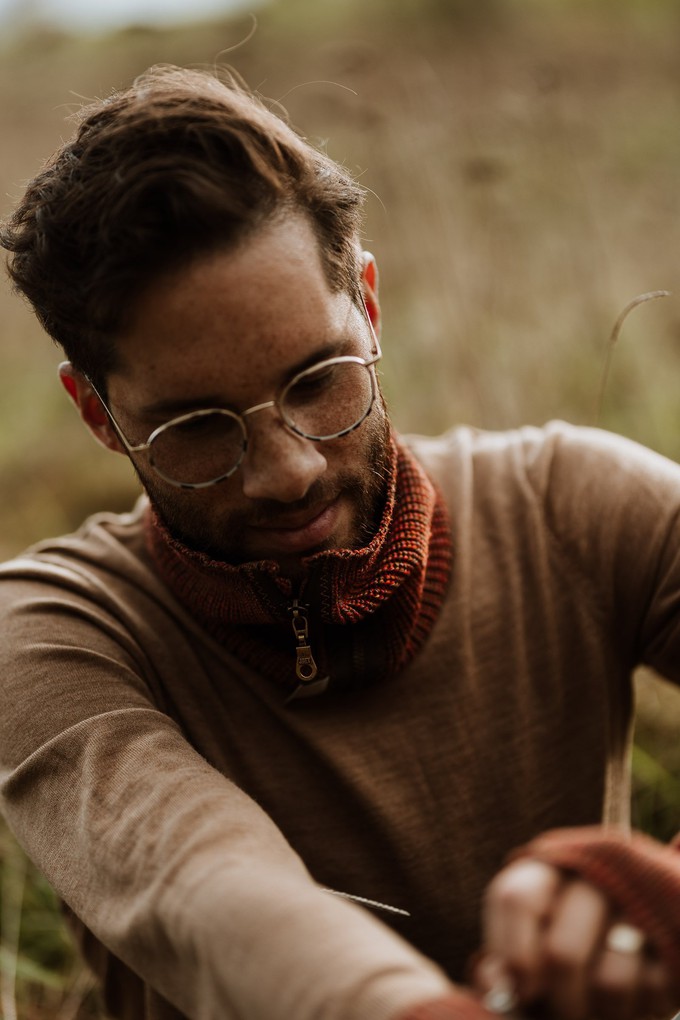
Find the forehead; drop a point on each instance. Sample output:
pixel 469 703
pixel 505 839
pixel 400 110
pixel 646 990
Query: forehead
pixel 233 322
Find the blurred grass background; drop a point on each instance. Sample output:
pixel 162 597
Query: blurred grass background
pixel 523 165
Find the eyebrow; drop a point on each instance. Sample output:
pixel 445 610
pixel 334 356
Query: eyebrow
pixel 175 406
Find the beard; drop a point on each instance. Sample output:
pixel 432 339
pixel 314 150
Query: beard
pixel 222 534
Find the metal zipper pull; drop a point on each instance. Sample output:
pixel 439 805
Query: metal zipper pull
pixel 305 666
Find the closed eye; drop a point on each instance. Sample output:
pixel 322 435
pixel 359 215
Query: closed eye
pixel 313 383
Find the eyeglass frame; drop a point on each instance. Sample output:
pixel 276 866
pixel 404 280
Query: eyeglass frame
pixel 240 417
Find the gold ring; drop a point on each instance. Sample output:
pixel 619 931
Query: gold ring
pixel 624 938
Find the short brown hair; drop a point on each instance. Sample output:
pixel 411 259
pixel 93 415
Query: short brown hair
pixel 179 164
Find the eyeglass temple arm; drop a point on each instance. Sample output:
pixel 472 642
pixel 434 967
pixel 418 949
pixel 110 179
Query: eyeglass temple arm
pixel 378 348
pixel 119 432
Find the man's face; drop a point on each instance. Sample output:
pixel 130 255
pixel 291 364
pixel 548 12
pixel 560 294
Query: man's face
pixel 229 331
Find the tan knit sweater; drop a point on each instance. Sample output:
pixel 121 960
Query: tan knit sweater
pixel 190 818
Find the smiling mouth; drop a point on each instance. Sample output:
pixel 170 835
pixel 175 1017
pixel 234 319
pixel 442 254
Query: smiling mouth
pixel 302 532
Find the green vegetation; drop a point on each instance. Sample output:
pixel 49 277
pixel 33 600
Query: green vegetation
pixel 521 159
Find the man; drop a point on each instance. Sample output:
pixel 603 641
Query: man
pixel 318 663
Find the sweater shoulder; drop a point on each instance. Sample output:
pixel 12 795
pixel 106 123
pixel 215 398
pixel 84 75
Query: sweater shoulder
pixel 105 554
pixel 553 461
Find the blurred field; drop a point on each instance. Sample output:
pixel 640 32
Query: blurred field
pixel 523 161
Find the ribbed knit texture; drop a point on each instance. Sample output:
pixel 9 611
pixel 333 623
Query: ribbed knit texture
pixel 456 1006
pixel 640 875
pixel 393 587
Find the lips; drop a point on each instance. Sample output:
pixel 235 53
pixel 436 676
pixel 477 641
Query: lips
pixel 300 532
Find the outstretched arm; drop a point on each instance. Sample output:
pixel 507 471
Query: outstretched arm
pixel 173 869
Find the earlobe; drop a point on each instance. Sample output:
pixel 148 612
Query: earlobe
pixel 369 280
pixel 89 406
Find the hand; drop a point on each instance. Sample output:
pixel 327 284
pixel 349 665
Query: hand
pixel 547 935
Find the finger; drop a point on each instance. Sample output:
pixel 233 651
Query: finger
pixel 656 997
pixel 495 984
pixel 572 942
pixel 517 908
pixel 617 983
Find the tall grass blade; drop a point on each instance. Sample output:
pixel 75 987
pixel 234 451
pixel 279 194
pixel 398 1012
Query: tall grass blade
pixel 613 338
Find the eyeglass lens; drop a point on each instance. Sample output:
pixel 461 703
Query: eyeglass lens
pixel 324 402
pixel 329 399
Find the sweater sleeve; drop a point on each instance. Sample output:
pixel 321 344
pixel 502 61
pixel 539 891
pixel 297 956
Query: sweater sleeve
pixel 455 1006
pixel 178 873
pixel 640 875
pixel 612 507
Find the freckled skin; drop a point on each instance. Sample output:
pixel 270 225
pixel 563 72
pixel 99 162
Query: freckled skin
pixel 233 327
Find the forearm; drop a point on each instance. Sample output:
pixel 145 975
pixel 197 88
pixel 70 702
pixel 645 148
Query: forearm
pixel 188 882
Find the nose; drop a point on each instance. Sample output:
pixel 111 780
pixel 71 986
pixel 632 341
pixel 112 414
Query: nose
pixel 279 464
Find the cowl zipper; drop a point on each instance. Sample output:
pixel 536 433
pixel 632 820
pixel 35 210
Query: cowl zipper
pixel 306 669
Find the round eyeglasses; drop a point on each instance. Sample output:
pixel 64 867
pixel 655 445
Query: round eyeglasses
pixel 203 447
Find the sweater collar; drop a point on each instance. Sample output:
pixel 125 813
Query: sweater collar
pixel 396 582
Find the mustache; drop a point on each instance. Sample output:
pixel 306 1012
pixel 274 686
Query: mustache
pixel 266 512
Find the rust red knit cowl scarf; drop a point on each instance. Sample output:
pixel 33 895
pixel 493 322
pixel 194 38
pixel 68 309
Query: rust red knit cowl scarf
pixel 369 610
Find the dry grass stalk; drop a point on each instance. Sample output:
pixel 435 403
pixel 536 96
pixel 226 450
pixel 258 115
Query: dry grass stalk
pixel 613 338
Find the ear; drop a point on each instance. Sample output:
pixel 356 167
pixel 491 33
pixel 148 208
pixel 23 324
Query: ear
pixel 369 281
pixel 89 407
